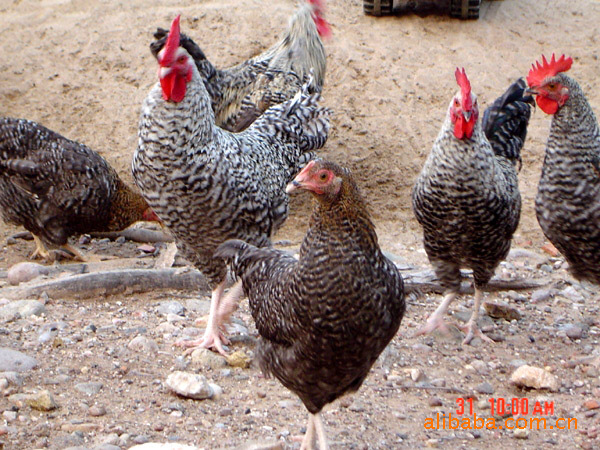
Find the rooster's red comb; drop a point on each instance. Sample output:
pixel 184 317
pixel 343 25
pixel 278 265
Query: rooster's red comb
pixel 322 25
pixel 172 43
pixel 465 88
pixel 539 72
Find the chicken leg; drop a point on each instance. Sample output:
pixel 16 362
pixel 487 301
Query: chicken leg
pixel 471 329
pixel 221 307
pixel 436 320
pixel 40 249
pixel 309 438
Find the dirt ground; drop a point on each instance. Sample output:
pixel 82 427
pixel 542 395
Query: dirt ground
pixel 83 67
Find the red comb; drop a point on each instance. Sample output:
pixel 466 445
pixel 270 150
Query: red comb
pixel 465 88
pixel 322 25
pixel 547 69
pixel 172 43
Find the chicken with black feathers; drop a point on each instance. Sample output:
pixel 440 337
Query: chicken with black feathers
pixel 324 318
pixel 57 188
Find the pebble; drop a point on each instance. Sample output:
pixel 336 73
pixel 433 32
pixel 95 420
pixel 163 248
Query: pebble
pixel 41 401
pixel 97 411
pixel 416 374
pixel 143 344
pixel 14 361
pixel 217 391
pixel 25 271
pixel 432 443
pixel 170 307
pixel 163 446
pixel 189 385
pixel 141 439
pixel 591 404
pixel 85 427
pixel 521 433
pixel 571 293
pixel 21 308
pixel 501 310
pixel 573 330
pixel 91 388
pixel 435 401
pixel 198 306
pixel 9 416
pixel 239 358
pixel 208 359
pixel 147 248
pixel 485 388
pixel 274 445
pixel 534 377
pixel 541 295
pixel 166 327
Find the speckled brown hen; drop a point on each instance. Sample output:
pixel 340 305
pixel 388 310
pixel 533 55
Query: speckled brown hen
pixel 324 318
pixel 56 188
pixel 467 197
pixel 568 199
pixel 208 184
pixel 241 93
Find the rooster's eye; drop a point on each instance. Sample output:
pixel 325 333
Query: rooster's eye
pixel 181 59
pixel 456 103
pixel 552 86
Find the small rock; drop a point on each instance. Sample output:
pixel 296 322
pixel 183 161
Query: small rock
pixel 217 390
pixel 189 385
pixel 198 306
pixel 141 439
pixel 485 388
pixel 9 416
pixel 21 308
pixel 541 295
pixel 97 411
pixel 521 433
pixel 14 361
pixel 239 359
pixel 573 331
pixel 83 427
pixel 165 446
pixel 25 271
pixel 147 248
pixel 435 401
pixel 501 310
pixel 42 401
pixel 591 404
pixel 171 307
pixel 534 377
pixel 416 374
pixel 274 445
pixel 143 344
pixel 89 388
pixel 432 443
pixel 208 359
pixel 572 294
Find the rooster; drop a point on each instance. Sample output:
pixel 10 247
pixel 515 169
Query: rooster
pixel 567 204
pixel 56 188
pixel 209 185
pixel 467 197
pixel 242 93
pixel 324 318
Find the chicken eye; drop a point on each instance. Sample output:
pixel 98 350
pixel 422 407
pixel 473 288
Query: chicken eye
pixel 323 176
pixel 456 102
pixel 181 59
pixel 551 86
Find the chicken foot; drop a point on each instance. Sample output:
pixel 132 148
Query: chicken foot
pixel 436 320
pixel 471 329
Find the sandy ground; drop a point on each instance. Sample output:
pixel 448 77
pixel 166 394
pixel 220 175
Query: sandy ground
pixel 82 68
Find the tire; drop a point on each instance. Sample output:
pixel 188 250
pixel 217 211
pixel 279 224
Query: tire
pixel 465 9
pixel 377 7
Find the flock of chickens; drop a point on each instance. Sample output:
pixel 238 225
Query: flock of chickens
pixel 219 150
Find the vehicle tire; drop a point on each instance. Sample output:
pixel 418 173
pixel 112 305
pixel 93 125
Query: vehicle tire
pixel 377 7
pixel 465 9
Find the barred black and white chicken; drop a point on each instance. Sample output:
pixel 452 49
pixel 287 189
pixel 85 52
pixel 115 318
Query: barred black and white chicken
pixel 467 197
pixel 324 318
pixel 56 188
pixel 209 185
pixel 567 204
pixel 241 93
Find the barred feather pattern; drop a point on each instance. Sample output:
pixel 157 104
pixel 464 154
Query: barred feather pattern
pixel 568 199
pixel 324 318
pixel 466 198
pixel 241 93
pixel 56 187
pixel 209 185
pixel 505 121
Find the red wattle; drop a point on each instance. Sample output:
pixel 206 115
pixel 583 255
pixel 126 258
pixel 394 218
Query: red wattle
pixel 547 105
pixel 173 87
